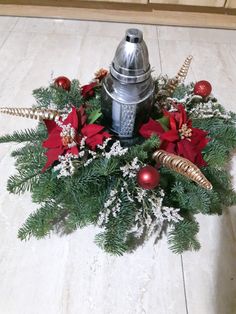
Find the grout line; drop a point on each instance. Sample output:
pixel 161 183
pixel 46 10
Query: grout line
pixel 184 284
pixel 13 27
pixel 9 33
pixel 158 45
pixel 232 54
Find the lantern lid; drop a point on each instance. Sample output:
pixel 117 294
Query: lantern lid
pixel 131 61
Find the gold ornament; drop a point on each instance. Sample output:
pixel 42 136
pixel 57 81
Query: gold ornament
pixel 32 113
pixel 172 84
pixel 183 166
pixel 100 74
pixel 181 75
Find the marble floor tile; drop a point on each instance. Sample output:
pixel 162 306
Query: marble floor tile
pixel 172 56
pixel 200 35
pixel 214 62
pixel 7 25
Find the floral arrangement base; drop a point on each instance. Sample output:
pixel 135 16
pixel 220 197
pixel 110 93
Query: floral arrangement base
pixel 80 174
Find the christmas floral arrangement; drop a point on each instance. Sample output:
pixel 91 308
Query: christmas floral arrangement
pixel 80 173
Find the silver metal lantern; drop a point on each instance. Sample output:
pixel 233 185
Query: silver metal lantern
pixel 127 92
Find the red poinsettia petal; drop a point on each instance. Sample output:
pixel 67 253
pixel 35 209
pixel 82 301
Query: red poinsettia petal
pixel 187 150
pixel 50 125
pixel 168 147
pixel 106 134
pixel 199 132
pixel 82 117
pixel 199 138
pixel 73 150
pixel 170 136
pixel 182 116
pixel 95 140
pixel 150 128
pixel 87 90
pixel 77 138
pixel 199 161
pixel 72 118
pixel 180 149
pixel 52 156
pixel 53 140
pixel 171 118
pixel 173 125
pixel 91 129
pixel 203 143
pixel 189 124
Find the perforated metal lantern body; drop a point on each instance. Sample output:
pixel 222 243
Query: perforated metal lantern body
pixel 127 92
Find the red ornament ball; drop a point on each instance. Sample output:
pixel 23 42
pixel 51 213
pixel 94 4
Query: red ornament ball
pixel 148 177
pixel 63 82
pixel 202 88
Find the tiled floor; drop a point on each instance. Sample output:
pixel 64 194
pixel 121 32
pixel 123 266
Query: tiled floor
pixel 70 275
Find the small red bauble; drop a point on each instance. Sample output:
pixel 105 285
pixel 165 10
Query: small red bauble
pixel 148 177
pixel 63 82
pixel 202 88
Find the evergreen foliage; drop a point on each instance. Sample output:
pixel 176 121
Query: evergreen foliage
pixel 183 236
pixel 28 135
pixel 68 203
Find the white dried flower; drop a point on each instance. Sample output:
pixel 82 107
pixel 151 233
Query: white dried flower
pixel 104 145
pixel 115 150
pixel 65 167
pixel 130 170
pixel 112 207
pixel 208 110
pixel 152 215
pixel 171 214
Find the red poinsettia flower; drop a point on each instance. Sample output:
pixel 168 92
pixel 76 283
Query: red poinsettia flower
pixel 94 135
pixel 88 90
pixel 181 138
pixel 64 136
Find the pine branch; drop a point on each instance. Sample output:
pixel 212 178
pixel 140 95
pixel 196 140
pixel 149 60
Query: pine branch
pixel 57 96
pixel 46 189
pixel 183 237
pixel 30 161
pixel 23 151
pixel 182 89
pixel 216 154
pixel 43 96
pixel 83 212
pixel 114 239
pixel 191 197
pixel 22 182
pixel 221 130
pixel 106 167
pixel 220 178
pixel 28 135
pixel 143 151
pixel 42 222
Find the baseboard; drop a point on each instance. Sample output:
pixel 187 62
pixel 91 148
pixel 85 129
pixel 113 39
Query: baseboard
pixel 145 14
